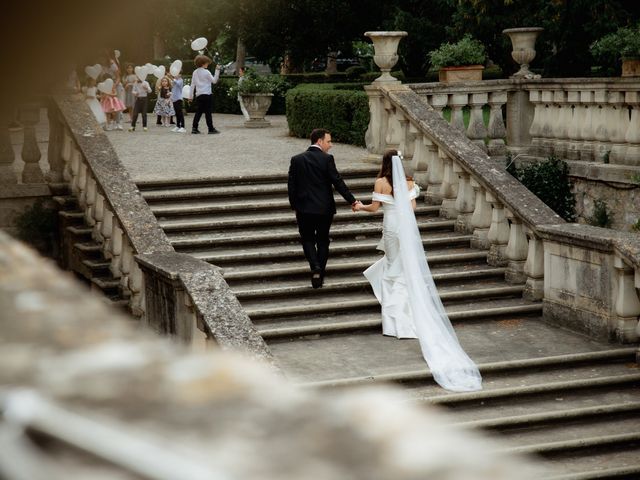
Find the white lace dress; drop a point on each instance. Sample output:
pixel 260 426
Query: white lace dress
pixel 386 275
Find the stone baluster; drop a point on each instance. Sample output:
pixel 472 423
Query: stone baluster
pixel 561 121
pixel 75 163
pixel 465 201
pixel 573 132
pixel 481 218
pixel 627 304
pixel 394 129
pixel 29 117
pixel 516 251
pixel 619 127
pixel 535 97
pixel 586 130
pixel 632 137
pixel 377 129
pixel 435 174
pixel 82 185
pixel 547 123
pixel 534 268
pixel 136 287
pixel 66 152
pixel 498 234
pixel 419 161
pixel 458 102
pixel 54 150
pixel 601 125
pixel 7 158
pixel 98 216
pixel 497 131
pixel 448 189
pixel 476 131
pixel 115 250
pixel 107 230
pixel 406 138
pixel 126 263
pixel 92 192
pixel 439 101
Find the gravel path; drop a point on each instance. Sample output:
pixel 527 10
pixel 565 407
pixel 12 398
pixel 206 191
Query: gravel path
pixel 160 153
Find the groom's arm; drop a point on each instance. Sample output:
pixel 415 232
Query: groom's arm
pixel 338 183
pixel 291 183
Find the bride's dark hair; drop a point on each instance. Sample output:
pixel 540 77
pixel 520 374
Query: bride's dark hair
pixel 386 169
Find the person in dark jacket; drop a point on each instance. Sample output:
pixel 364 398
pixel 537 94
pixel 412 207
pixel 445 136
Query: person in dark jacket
pixel 312 177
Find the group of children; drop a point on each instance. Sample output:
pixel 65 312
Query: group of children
pixel 131 94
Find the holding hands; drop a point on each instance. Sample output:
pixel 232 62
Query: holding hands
pixel 356 206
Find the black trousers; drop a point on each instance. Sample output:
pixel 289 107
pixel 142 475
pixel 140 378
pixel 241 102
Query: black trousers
pixel 140 106
pixel 177 106
pixel 314 236
pixel 204 106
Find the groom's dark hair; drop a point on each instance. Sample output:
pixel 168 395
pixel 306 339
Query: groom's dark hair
pixel 317 134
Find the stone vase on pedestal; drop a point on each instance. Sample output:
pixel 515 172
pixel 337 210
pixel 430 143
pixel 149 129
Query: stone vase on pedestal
pixel 257 105
pixel 385 45
pixel 523 41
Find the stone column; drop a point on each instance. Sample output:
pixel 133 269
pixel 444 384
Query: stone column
pixel 448 189
pixel 477 132
pixel 573 132
pixel 406 140
pixel 436 172
pixel 497 131
pixel 54 151
pixel 481 218
pixel 632 137
pixel 534 268
pixel 394 129
pixel 627 304
pixel 520 113
pixel 7 157
pixel 498 234
pixel 586 130
pixel 516 251
pixel 458 102
pixel 29 117
pixel 377 129
pixel 535 97
pixel 439 101
pixel 601 123
pixel 562 118
pixel 619 127
pixel 465 201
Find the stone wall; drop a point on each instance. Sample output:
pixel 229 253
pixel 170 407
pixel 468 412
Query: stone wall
pixel 117 402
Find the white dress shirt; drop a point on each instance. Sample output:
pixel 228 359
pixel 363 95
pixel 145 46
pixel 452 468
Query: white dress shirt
pixel 202 81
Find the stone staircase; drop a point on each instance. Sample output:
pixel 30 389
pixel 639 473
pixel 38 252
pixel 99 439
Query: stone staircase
pixel 547 391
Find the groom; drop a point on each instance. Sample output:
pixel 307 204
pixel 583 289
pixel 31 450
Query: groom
pixel 312 176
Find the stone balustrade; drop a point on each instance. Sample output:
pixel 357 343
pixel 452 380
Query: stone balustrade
pixel 173 293
pixel 519 230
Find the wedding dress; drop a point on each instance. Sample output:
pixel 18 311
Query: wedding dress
pixel 411 306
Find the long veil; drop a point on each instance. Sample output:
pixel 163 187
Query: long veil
pixel 450 366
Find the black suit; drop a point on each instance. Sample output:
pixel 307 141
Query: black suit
pixel 312 176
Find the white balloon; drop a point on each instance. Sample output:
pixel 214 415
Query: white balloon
pixel 159 72
pixel 175 67
pixel 106 86
pixel 186 91
pixel 93 71
pixel 199 43
pixel 141 73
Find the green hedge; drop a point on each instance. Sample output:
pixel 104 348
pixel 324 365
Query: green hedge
pixel 344 113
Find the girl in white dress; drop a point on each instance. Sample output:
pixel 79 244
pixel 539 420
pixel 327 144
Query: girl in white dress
pixel 403 284
pixel 90 95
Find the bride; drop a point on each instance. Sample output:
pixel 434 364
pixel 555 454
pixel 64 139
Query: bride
pixel 402 282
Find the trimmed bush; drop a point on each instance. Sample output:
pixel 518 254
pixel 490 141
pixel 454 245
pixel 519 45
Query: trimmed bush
pixel 316 77
pixel 353 73
pixel 344 113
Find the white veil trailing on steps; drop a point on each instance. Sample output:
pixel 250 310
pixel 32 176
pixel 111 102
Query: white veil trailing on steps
pixel 450 366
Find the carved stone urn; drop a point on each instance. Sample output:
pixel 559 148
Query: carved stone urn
pixel 257 105
pixel 523 41
pixel 385 45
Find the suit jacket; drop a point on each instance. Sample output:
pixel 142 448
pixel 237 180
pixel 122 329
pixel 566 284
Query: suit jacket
pixel 312 176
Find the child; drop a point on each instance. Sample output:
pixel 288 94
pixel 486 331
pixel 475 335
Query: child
pixel 90 92
pixel 141 91
pixel 129 81
pixel 164 106
pixel 111 106
pixel 243 109
pixel 201 82
pixel 176 98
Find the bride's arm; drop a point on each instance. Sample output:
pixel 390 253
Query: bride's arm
pixel 411 185
pixel 374 205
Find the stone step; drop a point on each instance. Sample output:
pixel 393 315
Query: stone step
pixel 504 343
pixel 310 303
pixel 279 235
pixel 66 202
pixel 72 217
pixel 596 441
pixel 339 266
pixel 147 185
pixel 260 289
pixel 96 266
pixel 252 221
pixel 239 191
pixel 278 329
pixel 88 247
pixel 106 284
pixel 80 231
pixel 258 255
pixel 599 464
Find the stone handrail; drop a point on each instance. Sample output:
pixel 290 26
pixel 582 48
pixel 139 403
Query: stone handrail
pixel 128 232
pixel 519 230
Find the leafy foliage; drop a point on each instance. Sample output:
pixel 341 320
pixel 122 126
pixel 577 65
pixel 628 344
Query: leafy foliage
pixel 465 52
pixel 344 113
pixel 624 42
pixel 601 216
pixel 549 181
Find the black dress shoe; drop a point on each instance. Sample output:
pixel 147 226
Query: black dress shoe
pixel 316 278
pixel 195 132
pixel 211 132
